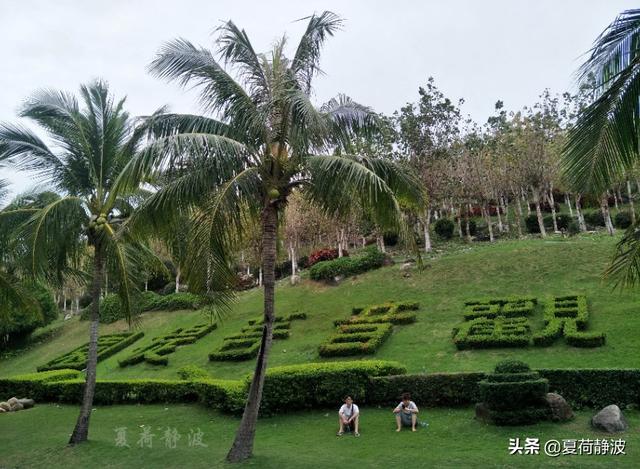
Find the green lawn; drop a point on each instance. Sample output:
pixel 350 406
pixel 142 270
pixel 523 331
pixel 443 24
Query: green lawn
pixel 454 439
pixel 541 268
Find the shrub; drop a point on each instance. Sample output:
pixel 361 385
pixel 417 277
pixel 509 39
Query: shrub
pixel 512 366
pixel 506 307
pixel 108 345
pixel 531 223
pixel 370 259
pixel 23 321
pixel 192 372
pixel 321 384
pixel 593 219
pixel 444 228
pixel 573 228
pixel 622 220
pixel 111 306
pixel 236 354
pixel 326 254
pixel 514 395
pixel 168 289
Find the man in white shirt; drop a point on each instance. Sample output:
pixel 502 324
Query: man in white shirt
pixel 349 416
pixel 406 413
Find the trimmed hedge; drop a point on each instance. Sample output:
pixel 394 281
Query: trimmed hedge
pixel 245 346
pixel 490 333
pixel 513 395
pixel 111 305
pixel 444 228
pixel 108 345
pixel 568 316
pixel 366 330
pixel 370 259
pixel 322 385
pixel 154 353
pixel 355 342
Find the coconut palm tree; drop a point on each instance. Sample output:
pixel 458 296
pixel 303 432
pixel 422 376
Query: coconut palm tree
pixel 604 143
pixel 262 139
pixel 91 144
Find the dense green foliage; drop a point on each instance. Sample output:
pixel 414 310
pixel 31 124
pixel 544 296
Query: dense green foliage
pixel 24 320
pixel 369 259
pixel 444 228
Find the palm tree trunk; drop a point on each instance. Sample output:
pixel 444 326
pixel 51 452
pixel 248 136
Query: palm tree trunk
pixel 242 447
pixel 81 430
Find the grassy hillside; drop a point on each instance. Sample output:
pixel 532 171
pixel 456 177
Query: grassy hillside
pixel 534 267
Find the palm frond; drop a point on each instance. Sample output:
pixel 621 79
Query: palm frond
pixel 306 61
pixel 624 269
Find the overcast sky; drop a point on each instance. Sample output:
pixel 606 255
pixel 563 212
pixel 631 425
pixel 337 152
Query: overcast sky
pixel 481 51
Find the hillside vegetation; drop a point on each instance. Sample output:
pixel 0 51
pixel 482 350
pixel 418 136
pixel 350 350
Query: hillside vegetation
pixel 537 268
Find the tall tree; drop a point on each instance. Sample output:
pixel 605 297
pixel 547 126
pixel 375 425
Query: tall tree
pixel 93 142
pixel 263 139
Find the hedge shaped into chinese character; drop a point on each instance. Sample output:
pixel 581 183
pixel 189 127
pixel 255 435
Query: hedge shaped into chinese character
pixel 493 333
pixel 356 339
pixel 568 316
pixel 513 395
pixel 391 312
pixel 506 307
pixel 156 352
pixel 367 329
pixel 498 322
pixel 108 345
pixel 246 344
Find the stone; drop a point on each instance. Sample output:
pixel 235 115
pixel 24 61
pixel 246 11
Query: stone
pixel 27 403
pixel 338 279
pixel 610 419
pixel 16 406
pixel 560 410
pixel 405 267
pixel 68 316
pixel 2 411
pixel 5 406
pixel 482 412
pixel 12 401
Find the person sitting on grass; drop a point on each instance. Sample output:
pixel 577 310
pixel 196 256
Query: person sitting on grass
pixel 349 416
pixel 406 413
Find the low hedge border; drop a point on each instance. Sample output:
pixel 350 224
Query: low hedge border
pixel 323 385
pixel 108 345
pixel 370 259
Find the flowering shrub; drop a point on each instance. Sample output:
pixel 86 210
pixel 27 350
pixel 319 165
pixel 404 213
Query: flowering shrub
pixel 324 255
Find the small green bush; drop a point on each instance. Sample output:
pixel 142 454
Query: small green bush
pixel 370 259
pixel 531 224
pixel 512 366
pixel 593 219
pixel 192 372
pixel 444 228
pixel 622 220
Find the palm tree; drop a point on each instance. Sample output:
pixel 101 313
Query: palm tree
pixel 263 140
pixel 604 143
pixel 91 147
